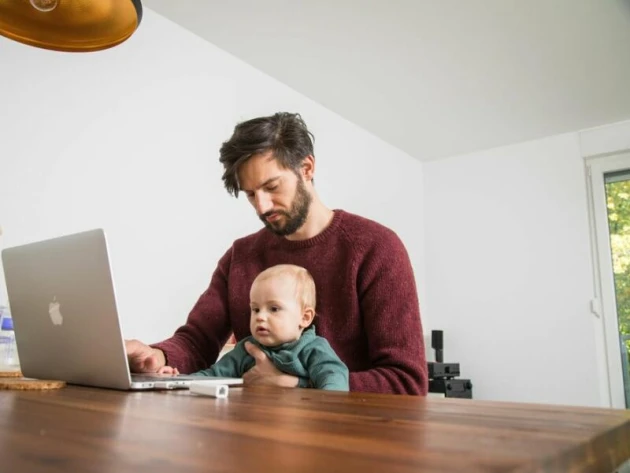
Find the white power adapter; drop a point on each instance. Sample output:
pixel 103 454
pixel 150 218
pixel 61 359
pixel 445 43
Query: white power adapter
pixel 220 391
pixel 214 387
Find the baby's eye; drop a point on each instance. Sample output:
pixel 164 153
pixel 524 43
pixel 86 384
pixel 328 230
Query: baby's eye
pixel 255 310
pixel 275 308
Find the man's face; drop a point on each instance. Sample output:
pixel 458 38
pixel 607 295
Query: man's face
pixel 279 196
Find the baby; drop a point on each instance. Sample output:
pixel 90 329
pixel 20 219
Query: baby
pixel 282 303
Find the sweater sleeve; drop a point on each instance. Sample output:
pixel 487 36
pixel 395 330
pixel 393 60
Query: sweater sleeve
pixel 391 318
pixel 325 368
pixel 231 365
pixel 196 345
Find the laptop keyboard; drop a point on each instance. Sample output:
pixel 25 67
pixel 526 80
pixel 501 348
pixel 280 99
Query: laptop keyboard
pixel 149 378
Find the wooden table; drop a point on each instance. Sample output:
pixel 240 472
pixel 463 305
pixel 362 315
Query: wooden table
pixel 259 430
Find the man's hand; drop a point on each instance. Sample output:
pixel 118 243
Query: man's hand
pixel 168 370
pixel 144 359
pixel 264 372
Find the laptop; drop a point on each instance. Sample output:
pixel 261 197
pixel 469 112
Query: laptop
pixel 63 304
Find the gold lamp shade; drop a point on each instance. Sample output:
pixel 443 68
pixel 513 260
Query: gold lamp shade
pixel 70 25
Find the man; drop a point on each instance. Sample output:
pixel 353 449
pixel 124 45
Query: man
pixel 366 291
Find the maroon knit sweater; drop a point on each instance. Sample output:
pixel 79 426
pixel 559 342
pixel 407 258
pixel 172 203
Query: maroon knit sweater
pixel 367 303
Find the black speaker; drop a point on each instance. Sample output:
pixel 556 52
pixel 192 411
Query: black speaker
pixel 437 343
pixel 443 376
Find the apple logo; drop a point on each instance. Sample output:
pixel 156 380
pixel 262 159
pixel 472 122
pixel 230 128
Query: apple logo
pixel 55 313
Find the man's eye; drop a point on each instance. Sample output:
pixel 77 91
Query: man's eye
pixel 250 195
pixel 272 188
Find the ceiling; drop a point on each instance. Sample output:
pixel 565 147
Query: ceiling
pixel 435 78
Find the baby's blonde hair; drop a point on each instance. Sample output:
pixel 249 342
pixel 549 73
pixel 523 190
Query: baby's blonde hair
pixel 304 283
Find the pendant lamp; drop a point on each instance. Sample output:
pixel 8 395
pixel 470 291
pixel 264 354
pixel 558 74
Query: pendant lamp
pixel 70 25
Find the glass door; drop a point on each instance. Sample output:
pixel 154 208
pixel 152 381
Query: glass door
pixel 609 192
pixel 617 186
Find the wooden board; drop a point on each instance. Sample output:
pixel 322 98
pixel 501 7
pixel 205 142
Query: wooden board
pixel 25 384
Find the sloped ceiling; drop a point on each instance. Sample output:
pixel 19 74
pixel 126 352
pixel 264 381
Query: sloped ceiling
pixel 435 78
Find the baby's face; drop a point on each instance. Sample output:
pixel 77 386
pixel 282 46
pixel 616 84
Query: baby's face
pixel 276 315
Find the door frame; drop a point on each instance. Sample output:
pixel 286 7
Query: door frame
pixel 604 305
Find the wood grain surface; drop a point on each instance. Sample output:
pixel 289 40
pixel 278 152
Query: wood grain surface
pixel 276 430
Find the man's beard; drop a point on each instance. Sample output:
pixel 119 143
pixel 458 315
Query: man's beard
pixel 295 217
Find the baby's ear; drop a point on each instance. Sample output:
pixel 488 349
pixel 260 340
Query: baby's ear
pixel 308 314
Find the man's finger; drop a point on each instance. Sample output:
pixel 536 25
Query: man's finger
pixel 250 376
pixel 149 363
pixel 138 363
pixel 255 352
pixel 153 362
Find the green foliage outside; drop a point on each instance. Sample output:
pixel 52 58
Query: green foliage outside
pixel 618 202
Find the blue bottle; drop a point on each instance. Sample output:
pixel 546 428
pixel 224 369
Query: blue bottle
pixel 8 348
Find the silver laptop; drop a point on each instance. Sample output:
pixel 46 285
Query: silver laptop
pixel 63 303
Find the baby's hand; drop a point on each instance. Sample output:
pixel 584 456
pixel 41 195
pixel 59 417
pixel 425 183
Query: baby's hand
pixel 168 370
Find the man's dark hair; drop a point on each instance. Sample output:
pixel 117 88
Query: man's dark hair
pixel 284 134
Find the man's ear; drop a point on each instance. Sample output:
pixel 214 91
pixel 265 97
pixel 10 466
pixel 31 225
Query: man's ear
pixel 308 168
pixel 308 314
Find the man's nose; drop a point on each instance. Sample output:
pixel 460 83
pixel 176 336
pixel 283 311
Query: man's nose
pixel 263 203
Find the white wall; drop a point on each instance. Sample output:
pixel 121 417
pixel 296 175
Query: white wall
pixel 509 272
pixel 128 139
pixel 605 139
